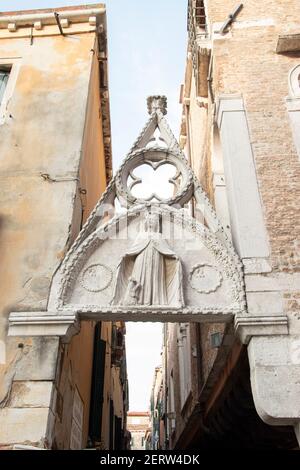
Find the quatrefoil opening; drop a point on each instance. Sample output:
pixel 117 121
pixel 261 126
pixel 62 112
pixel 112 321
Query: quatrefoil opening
pixel 154 180
pixel 154 175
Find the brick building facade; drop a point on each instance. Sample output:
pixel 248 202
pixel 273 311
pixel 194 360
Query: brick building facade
pixel 240 132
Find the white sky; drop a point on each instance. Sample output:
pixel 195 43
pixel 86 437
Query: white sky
pixel 147 50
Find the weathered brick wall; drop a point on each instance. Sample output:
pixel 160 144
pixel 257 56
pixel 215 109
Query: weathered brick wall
pixel 246 62
pixel 285 12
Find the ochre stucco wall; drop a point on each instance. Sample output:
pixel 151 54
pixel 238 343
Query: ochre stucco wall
pixel 78 356
pixel 92 169
pixel 43 135
pixel 54 129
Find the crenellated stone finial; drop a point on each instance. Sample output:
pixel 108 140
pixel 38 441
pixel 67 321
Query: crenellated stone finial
pixel 157 102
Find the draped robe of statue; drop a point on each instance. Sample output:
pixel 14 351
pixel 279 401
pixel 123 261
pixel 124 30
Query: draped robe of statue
pixel 149 273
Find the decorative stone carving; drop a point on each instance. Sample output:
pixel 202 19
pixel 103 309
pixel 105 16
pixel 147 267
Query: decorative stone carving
pixel 205 278
pixel 156 103
pixel 155 157
pixel 117 237
pixel 135 264
pixel 64 324
pixel 150 273
pixel 147 189
pixel 96 277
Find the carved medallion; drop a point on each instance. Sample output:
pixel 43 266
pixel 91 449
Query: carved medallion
pixel 205 278
pixel 96 278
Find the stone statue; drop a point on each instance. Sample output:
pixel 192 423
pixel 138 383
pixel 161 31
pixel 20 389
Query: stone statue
pixel 149 273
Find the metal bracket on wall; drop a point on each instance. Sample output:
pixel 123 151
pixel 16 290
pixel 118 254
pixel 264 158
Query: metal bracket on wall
pixel 231 18
pixel 59 23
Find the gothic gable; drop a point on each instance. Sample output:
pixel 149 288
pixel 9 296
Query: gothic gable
pixel 151 260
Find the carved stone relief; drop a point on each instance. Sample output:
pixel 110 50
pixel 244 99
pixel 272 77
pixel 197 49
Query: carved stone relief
pixel 150 260
pixel 149 273
pixel 154 157
pixel 150 251
pixel 205 278
pixel 96 277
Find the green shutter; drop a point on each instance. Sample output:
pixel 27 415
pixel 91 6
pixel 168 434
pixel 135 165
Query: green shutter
pixel 118 433
pixel 97 386
pixel 111 425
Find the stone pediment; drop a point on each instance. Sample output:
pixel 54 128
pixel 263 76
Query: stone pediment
pixel 190 273
pixel 141 254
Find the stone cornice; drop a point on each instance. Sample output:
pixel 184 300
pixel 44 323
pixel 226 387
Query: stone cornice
pixel 81 14
pixel 247 326
pixel 44 324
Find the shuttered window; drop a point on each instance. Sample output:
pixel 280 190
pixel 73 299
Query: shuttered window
pixel 4 75
pixel 97 386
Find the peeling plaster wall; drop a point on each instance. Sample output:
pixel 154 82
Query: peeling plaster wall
pixel 92 169
pixel 77 357
pixel 53 127
pixel 44 135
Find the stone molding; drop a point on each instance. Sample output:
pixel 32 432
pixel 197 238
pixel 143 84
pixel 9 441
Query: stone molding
pixel 274 374
pixel 64 321
pixel 228 103
pixel 70 269
pixel 46 17
pixel 288 43
pixel 246 214
pixel 247 326
pixel 64 324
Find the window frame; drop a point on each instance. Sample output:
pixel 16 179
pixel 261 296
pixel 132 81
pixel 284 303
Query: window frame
pixel 13 64
pixel 294 82
pixel 184 362
pixel 6 70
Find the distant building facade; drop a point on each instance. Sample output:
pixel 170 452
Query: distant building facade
pixel 56 392
pixel 157 411
pixel 138 424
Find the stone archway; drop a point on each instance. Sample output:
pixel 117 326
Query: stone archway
pixel 104 275
pixel 151 261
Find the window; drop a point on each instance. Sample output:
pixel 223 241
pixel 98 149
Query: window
pixel 184 356
pixel 171 404
pixel 9 70
pixel 293 105
pixel 294 82
pixel 4 75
